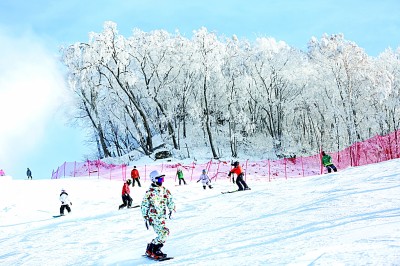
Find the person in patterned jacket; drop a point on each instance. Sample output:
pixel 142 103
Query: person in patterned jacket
pixel 157 201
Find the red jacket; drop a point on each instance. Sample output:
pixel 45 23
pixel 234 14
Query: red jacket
pixel 237 170
pixel 125 189
pixel 134 173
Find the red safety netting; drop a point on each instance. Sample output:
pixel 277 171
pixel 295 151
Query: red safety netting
pixel 374 150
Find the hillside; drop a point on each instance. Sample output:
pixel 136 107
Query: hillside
pixel 346 218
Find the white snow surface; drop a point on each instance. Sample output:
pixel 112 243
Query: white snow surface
pixel 351 217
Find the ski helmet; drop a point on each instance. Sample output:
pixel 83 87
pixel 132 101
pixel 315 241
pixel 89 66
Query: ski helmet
pixel 235 164
pixel 156 177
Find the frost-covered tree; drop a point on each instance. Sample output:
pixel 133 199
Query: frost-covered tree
pixel 344 83
pixel 271 66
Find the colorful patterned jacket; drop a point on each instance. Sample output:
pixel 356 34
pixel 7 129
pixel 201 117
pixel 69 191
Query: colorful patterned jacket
pixel 155 203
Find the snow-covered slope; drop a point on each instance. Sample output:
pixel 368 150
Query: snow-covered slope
pixel 347 218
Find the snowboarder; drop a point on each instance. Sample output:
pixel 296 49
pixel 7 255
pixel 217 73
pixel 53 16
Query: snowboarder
pixel 65 202
pixel 237 169
pixel 126 198
pixel 327 162
pixel 29 173
pixel 205 179
pixel 156 201
pixel 135 176
pixel 179 173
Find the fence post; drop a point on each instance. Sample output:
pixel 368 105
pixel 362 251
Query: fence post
pixel 145 172
pixel 269 170
pixel 216 175
pixel 245 173
pixel 191 175
pixel 284 162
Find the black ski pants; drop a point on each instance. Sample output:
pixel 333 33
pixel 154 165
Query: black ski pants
pixel 137 180
pixel 330 168
pixel 127 201
pixel 182 179
pixel 64 207
pixel 240 182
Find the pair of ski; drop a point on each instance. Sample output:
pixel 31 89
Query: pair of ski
pixel 233 191
pixel 158 259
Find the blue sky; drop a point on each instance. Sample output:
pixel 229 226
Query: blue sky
pixel 33 132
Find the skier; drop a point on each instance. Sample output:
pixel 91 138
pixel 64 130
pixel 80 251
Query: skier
pixel 156 201
pixel 135 176
pixel 237 169
pixel 327 162
pixel 65 202
pixel 205 179
pixel 126 198
pixel 29 173
pixel 179 173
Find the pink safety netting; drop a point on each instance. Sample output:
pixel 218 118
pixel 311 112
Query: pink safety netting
pixel 376 149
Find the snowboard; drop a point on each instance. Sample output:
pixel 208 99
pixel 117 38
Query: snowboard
pixel 160 259
pixel 56 216
pixel 135 206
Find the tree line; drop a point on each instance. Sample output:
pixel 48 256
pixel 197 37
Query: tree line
pixel 233 96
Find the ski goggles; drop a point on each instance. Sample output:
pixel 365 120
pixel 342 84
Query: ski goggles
pixel 160 179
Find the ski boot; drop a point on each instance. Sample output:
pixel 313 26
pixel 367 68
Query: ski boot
pixel 157 253
pixel 149 249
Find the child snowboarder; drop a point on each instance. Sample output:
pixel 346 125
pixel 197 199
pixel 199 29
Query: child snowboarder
pixel 205 180
pixel 179 173
pixel 126 198
pixel 154 207
pixel 327 162
pixel 135 176
pixel 237 169
pixel 65 202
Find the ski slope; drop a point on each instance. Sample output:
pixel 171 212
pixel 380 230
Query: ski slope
pixel 350 217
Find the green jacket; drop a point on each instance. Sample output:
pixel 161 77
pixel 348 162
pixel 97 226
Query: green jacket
pixel 326 160
pixel 180 174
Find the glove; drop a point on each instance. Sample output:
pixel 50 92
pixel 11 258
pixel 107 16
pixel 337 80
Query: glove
pixel 229 174
pixel 62 202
